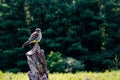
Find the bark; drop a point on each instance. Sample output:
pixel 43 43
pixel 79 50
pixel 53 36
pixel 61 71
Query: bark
pixel 37 63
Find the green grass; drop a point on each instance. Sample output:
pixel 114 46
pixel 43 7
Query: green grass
pixel 113 75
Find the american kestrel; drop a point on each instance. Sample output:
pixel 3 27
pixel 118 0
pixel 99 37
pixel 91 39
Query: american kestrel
pixel 34 38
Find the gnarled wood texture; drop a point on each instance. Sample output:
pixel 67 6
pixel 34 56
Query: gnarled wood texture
pixel 37 63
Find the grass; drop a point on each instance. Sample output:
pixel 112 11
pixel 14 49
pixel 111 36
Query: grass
pixel 113 75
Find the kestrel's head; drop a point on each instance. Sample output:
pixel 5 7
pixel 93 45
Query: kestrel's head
pixel 38 30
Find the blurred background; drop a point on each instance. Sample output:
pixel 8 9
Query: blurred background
pixel 78 35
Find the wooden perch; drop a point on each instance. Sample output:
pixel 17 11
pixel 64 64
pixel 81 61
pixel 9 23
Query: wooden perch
pixel 37 63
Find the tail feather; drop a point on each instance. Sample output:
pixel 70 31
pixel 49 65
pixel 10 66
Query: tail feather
pixel 25 44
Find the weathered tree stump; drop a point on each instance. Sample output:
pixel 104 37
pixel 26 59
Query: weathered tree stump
pixel 37 63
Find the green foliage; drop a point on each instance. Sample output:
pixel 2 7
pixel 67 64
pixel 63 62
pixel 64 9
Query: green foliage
pixel 115 63
pixel 14 60
pixel 74 65
pixel 55 62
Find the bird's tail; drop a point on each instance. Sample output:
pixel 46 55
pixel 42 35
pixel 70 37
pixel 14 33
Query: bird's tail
pixel 25 44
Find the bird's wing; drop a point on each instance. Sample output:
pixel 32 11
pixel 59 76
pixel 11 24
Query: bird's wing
pixel 33 36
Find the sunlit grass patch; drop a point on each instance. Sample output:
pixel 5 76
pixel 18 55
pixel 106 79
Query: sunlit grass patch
pixel 13 76
pixel 113 75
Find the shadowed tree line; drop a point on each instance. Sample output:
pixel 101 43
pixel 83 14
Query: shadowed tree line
pixel 86 30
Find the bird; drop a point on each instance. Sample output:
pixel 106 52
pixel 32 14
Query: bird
pixel 35 37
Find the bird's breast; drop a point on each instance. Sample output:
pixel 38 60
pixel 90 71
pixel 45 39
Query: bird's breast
pixel 39 37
